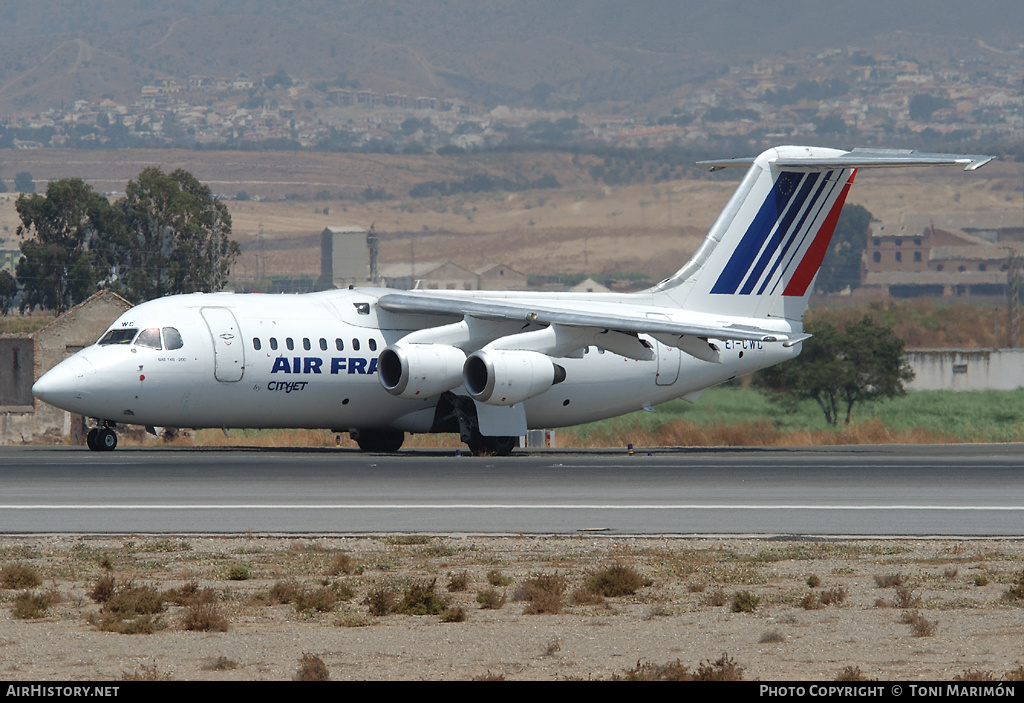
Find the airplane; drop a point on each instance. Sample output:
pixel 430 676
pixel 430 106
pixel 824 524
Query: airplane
pixel 488 365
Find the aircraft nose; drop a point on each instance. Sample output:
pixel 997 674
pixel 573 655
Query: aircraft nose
pixel 59 385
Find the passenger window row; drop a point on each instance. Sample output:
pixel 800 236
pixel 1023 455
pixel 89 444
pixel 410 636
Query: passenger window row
pixel 289 343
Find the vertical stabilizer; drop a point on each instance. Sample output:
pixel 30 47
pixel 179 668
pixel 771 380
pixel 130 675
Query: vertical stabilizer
pixel 763 252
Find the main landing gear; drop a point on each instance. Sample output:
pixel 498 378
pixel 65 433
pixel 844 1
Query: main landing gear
pixel 379 441
pixel 101 439
pixel 491 446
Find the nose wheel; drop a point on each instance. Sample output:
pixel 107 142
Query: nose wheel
pixel 101 439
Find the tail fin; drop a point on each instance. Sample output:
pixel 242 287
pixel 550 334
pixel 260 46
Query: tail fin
pixel 763 252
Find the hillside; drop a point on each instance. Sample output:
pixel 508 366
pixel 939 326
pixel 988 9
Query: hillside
pixel 580 54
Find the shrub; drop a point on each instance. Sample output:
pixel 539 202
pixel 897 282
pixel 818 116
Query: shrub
pixel 813 581
pixel 30 606
pixel 906 598
pixel 421 599
pixel 129 600
pixel 725 669
pixel 496 578
pixel 614 581
pixel 342 563
pixel 203 616
pixel 138 625
pixel 919 625
pixel 459 582
pixel 321 600
pixel 744 602
pixel 221 663
pixel 851 673
pixel 833 596
pixel 238 573
pixel 981 580
pixel 542 593
pixel 103 589
pixel 490 599
pixel 456 614
pixel 145 673
pixel 890 580
pixel 1015 594
pixel 772 637
pixel 311 668
pixel 382 601
pixel 284 591
pixel 20 576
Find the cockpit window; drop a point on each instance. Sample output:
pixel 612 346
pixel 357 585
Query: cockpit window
pixel 124 335
pixel 149 337
pixel 172 338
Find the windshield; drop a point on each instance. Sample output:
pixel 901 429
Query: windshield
pixel 125 335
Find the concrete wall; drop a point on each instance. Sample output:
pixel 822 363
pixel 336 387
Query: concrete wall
pixel 966 369
pixel 74 330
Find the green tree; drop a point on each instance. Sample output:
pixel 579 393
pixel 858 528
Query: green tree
pixel 838 369
pixel 177 237
pixel 23 183
pixel 841 267
pixel 8 291
pixel 67 255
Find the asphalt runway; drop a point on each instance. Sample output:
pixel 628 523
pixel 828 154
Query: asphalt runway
pixel 947 490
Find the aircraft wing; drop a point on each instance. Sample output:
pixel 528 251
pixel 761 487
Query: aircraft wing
pixel 528 312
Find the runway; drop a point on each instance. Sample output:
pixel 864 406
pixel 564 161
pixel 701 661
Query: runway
pixel 948 490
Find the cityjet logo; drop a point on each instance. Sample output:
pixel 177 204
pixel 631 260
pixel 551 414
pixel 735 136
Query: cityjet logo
pixel 315 365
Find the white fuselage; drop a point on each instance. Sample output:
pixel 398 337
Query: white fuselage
pixel 260 361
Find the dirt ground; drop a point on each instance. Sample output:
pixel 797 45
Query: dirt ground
pixel 897 609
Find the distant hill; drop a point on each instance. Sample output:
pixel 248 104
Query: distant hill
pixel 598 54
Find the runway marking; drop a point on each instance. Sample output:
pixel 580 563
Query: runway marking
pixel 508 506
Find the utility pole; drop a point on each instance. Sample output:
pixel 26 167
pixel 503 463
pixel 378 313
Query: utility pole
pixel 1013 271
pixel 372 243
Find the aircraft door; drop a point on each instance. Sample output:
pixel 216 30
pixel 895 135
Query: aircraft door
pixel 228 354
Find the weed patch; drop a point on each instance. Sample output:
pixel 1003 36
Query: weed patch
pixel 311 668
pixel 542 593
pixel 32 606
pixel 19 576
pixel 616 580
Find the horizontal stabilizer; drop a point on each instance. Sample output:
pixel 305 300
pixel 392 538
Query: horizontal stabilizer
pixel 858 158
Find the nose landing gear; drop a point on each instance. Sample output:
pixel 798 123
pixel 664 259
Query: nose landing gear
pixel 102 439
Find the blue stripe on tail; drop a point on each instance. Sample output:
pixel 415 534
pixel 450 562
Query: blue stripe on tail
pixel 760 228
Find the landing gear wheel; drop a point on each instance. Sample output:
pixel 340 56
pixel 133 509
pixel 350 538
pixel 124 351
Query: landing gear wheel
pixel 381 441
pixel 492 446
pixel 90 439
pixel 106 440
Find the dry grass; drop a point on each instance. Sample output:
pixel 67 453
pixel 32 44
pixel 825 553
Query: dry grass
pixel 684 433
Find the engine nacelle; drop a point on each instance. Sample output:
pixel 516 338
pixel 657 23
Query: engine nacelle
pixel 509 377
pixel 420 370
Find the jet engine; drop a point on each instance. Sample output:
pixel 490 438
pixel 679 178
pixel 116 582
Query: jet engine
pixel 509 377
pixel 420 370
